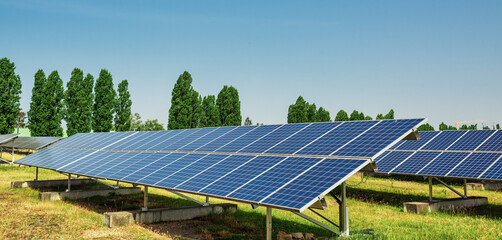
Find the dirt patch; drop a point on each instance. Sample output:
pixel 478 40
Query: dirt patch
pixel 178 230
pixel 114 233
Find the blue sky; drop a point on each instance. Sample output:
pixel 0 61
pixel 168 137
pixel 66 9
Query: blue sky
pixel 435 59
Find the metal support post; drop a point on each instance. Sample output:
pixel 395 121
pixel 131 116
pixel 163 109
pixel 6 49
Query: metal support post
pixel 465 187
pixel 344 212
pixel 269 223
pixel 12 162
pixel 69 183
pixel 117 187
pixel 207 200
pixel 430 189
pixel 36 174
pixel 452 189
pixel 145 199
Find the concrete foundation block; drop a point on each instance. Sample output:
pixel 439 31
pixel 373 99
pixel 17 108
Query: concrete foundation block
pixel 82 194
pixel 448 204
pixel 173 214
pixel 493 186
pixel 416 207
pixel 475 186
pixel 117 219
pixel 49 183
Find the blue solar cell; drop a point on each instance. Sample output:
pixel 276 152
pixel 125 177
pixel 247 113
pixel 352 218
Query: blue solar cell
pixel 273 138
pixel 471 140
pixel 274 178
pixel 93 156
pixel 152 140
pixel 444 140
pixel 330 142
pixel 226 138
pixel 207 138
pixel 52 157
pixel 126 143
pixel 417 144
pixel 382 156
pixel 240 175
pixel 391 160
pixel 416 162
pixel 100 164
pixel 494 172
pixel 474 165
pixel 248 138
pixel 164 159
pixel 69 140
pixel 443 163
pixel 172 168
pixel 123 168
pixel 377 138
pixel 494 143
pixel 314 182
pixel 190 170
pixel 212 173
pixel 302 138
pixel 189 139
pixel 164 145
pixel 102 140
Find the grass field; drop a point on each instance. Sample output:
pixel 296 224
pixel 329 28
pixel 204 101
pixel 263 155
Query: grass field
pixel 375 203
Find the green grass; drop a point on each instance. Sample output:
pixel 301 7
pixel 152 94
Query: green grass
pixel 375 203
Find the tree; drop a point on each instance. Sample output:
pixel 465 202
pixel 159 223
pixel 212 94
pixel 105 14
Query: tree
pixel 497 126
pixel 297 113
pixel 389 115
pixel 152 125
pixel 469 127
pixel 78 102
pixel 21 119
pixel 229 105
pixel 210 115
pixel 104 102
pixel 486 128
pixel 342 116
pixel 380 116
pixel 311 112
pixel 323 115
pixel 185 104
pixel 136 122
pixel 354 116
pixel 368 118
pixel 444 127
pixel 52 105
pixel 248 122
pixel 10 90
pixel 123 108
pixel 36 118
pixel 426 127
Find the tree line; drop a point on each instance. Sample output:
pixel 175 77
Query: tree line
pixel 302 111
pixel 190 110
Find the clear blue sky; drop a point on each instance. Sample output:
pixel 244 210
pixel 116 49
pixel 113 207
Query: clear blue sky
pixel 435 59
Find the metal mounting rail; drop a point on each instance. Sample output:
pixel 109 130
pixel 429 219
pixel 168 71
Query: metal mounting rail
pixel 205 204
pixel 320 224
pixel 452 189
pixel 107 184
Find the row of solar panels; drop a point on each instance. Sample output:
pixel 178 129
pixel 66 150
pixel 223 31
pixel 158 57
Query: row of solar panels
pixel 29 142
pixel 353 139
pixel 191 161
pixel 287 182
pixel 459 154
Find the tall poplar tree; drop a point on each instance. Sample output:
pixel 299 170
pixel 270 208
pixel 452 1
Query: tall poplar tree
pixel 36 119
pixel 185 104
pixel 229 105
pixel 210 115
pixel 53 105
pixel 10 90
pixel 104 102
pixel 312 113
pixel 123 108
pixel 78 102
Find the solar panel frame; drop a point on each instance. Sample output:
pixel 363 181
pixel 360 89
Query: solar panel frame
pixel 34 143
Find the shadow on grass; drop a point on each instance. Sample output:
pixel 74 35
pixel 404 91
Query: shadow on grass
pixel 397 200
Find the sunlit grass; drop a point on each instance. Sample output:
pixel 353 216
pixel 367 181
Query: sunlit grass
pixel 376 203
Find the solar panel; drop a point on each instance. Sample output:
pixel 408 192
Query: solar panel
pixel 30 142
pixel 7 137
pixel 460 154
pixel 255 164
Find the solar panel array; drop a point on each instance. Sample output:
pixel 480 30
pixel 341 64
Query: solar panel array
pixel 473 154
pixel 30 142
pixel 7 137
pixel 285 166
